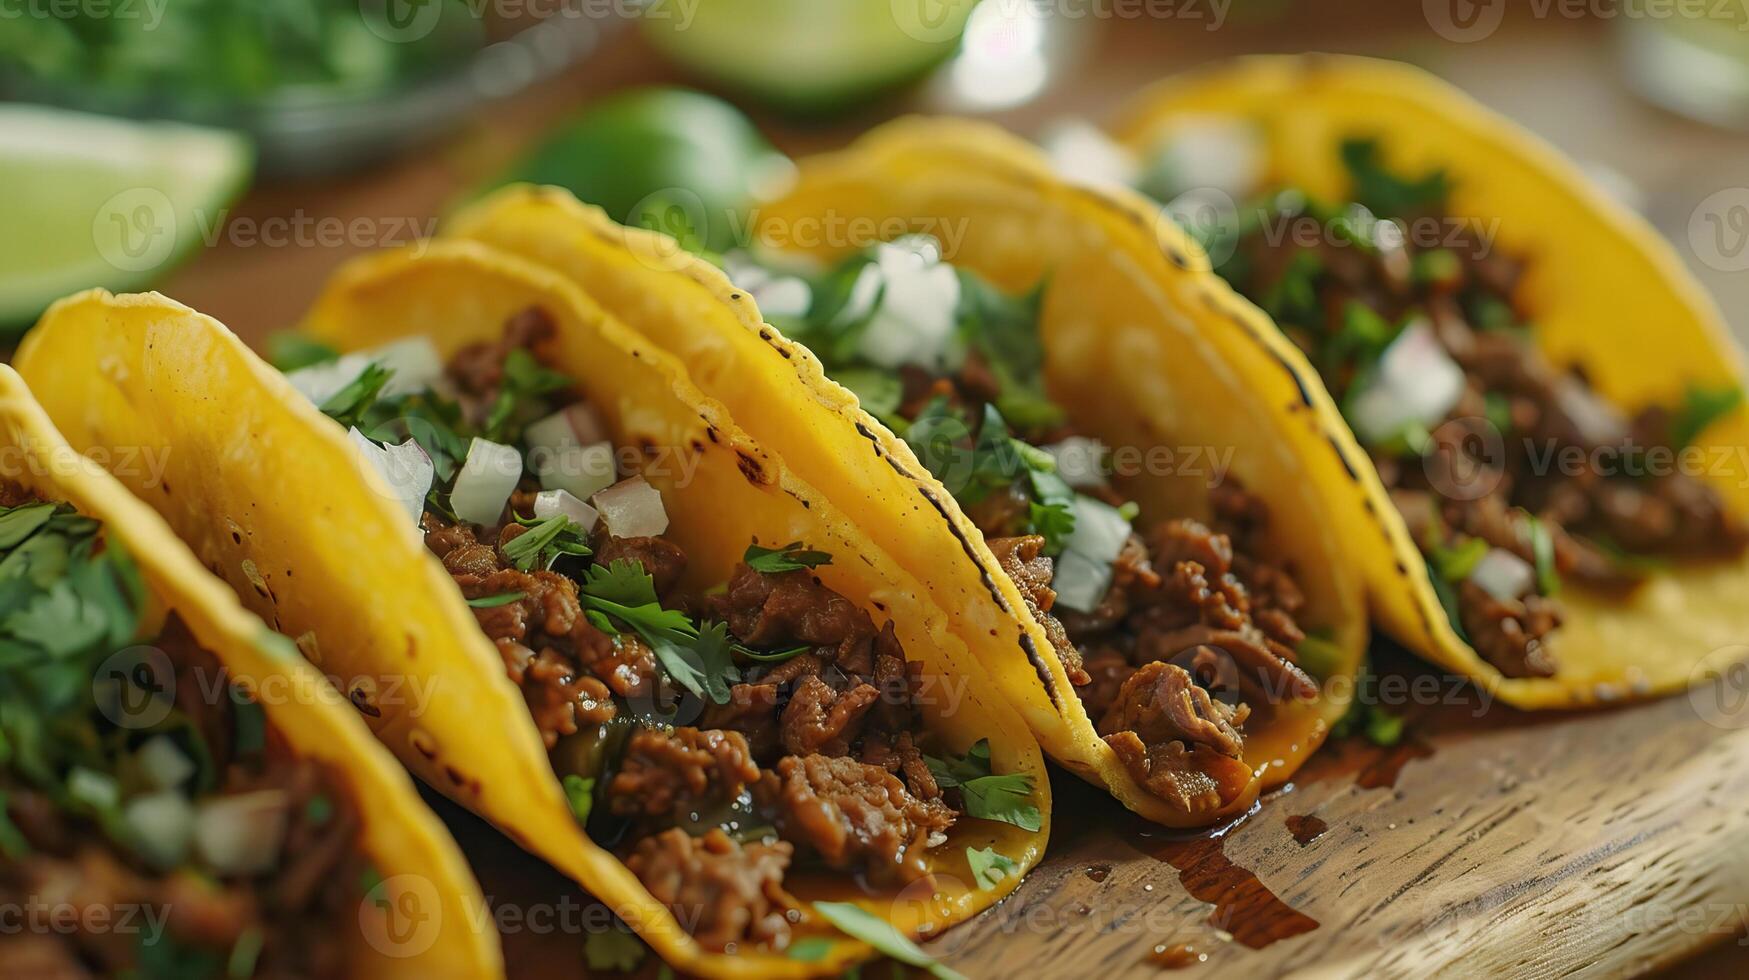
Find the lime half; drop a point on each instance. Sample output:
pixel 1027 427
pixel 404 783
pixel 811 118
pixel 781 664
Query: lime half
pixel 95 201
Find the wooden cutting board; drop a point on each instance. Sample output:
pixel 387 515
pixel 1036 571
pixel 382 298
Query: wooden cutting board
pixel 1490 842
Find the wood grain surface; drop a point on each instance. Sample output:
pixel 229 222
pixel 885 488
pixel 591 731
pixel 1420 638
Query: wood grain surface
pixel 1489 843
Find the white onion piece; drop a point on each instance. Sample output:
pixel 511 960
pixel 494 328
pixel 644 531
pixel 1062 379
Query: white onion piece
pixel 632 509
pixel 574 425
pixel 582 471
pixel 163 824
pixel 1416 382
pixel 550 502
pixel 484 484
pixel 783 296
pixel 92 788
pixel 415 364
pixel 1503 575
pixel 1080 461
pixel 1220 153
pixel 1083 571
pixel 406 468
pixel 915 319
pixel 241 834
pixel 1598 421
pixel 162 763
pixel 1083 153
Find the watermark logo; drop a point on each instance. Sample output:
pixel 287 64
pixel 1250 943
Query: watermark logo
pixel 1718 230
pixel 1467 459
pixel 930 21
pixel 1719 687
pixel 1464 21
pixel 135 230
pixel 401 916
pixel 401 21
pixel 135 688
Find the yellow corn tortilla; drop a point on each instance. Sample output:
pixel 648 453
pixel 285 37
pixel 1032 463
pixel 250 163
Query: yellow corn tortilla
pixel 1601 287
pixel 269 492
pixel 433 920
pixel 1128 354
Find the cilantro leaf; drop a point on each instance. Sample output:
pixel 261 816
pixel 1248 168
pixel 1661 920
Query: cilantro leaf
pixel 494 601
pixel 1386 194
pixel 1701 407
pixel 580 794
pixel 989 868
pixel 987 796
pixel 545 540
pixel 18 523
pixel 1542 548
pixel 696 659
pixel 809 949
pixel 526 380
pixel 349 405
pixel 289 351
pixel 858 923
pixel 789 558
pixel 615 948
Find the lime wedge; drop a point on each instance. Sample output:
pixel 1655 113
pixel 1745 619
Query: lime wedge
pixel 95 201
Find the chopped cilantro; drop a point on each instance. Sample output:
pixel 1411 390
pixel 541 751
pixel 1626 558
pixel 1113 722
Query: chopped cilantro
pixel 1003 798
pixel 1700 408
pixel 880 392
pixel 990 868
pixel 1456 562
pixel 494 601
pixel 809 949
pixel 1542 548
pixel 526 380
pixel 1319 654
pixel 580 794
pixel 1293 298
pixel 545 540
pixel 290 351
pixel 615 948
pixel 1386 194
pixel 789 558
pixel 696 658
pixel 319 809
pixel 858 923
pixel 244 954
pixel 349 405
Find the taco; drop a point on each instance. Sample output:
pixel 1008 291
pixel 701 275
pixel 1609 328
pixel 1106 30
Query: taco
pixel 1553 410
pixel 180 794
pixel 664 664
pixel 1117 511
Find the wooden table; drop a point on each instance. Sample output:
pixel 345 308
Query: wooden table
pixel 1604 843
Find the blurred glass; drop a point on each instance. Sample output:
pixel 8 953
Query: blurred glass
pixel 809 56
pixel 1693 60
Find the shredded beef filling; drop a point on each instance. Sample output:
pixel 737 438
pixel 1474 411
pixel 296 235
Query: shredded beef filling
pixel 1539 413
pixel 811 759
pixel 300 910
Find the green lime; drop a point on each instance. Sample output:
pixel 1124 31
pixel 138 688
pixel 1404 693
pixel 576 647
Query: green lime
pixel 94 201
pixel 809 56
pixel 681 162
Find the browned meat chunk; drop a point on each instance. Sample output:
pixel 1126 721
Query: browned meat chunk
pixel 857 815
pixel 728 893
pixel 1023 560
pixel 793 608
pixel 1510 635
pixel 1162 703
pixel 669 773
pixel 661 559
pixel 819 719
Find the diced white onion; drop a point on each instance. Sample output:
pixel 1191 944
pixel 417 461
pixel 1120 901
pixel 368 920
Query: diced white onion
pixel 92 788
pixel 1417 382
pixel 1503 575
pixel 241 834
pixel 915 317
pixel 574 425
pixel 414 362
pixel 550 502
pixel 1598 422
pixel 1080 461
pixel 632 509
pixel 163 825
pixel 783 296
pixel 406 468
pixel 1222 153
pixel 162 763
pixel 1083 571
pixel 1083 153
pixel 484 484
pixel 568 451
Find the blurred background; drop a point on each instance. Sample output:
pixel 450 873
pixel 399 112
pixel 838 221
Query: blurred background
pixel 310 130
pixel 233 153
